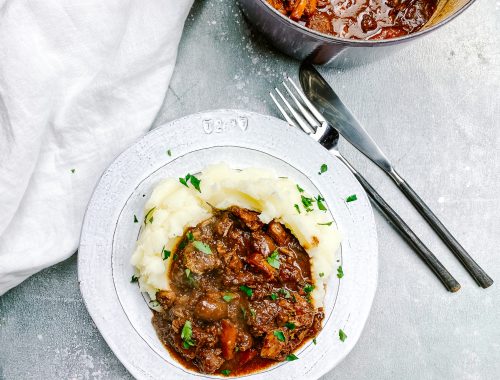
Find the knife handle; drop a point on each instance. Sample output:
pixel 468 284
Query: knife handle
pixel 406 232
pixel 467 261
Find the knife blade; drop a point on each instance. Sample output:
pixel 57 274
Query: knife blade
pixel 329 104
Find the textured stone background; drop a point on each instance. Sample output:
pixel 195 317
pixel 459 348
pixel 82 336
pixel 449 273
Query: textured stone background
pixel 438 119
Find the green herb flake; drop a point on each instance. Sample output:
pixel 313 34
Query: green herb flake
pixel 228 297
pixel 176 256
pixel 248 291
pixel 300 189
pixel 321 274
pixel 308 288
pixel 154 303
pixel 187 335
pixel 72 170
pixel 165 254
pixel 149 216
pixel 202 247
pixel 326 224
pixel 188 273
pixel 189 235
pixel 225 372
pixel 195 182
pixel 134 279
pixel 169 152
pixel 307 202
pixel 314 341
pixel 342 335
pixel 291 358
pixel 279 334
pixel 351 198
pixel 323 168
pixel 274 260
pixel 297 207
pixel 185 180
pixel 252 311
pixel 135 219
pixel 290 325
pixel 319 201
pixel 340 272
pixel 285 292
pixel 274 296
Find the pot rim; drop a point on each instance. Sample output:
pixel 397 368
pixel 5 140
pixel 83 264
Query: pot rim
pixel 350 42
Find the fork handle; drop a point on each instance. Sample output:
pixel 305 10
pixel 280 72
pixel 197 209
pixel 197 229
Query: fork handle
pixel 467 261
pixel 406 232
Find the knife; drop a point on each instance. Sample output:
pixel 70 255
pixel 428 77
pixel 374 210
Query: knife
pixel 329 104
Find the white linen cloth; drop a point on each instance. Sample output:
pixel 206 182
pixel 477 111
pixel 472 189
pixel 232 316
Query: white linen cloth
pixel 80 80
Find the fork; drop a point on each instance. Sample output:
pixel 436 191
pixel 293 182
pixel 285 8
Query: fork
pixel 307 117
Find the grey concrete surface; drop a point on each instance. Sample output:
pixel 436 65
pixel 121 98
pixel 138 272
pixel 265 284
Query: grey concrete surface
pixel 434 107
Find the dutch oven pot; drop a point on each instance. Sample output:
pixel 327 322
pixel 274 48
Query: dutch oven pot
pixel 302 43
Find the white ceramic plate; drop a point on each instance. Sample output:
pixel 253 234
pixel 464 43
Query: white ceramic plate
pixel 241 139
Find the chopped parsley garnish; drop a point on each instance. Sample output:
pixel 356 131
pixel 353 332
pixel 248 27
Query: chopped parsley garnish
pixel 135 219
pixel 319 201
pixel 340 272
pixel 308 288
pixel 321 274
pixel 165 254
pixel 176 256
pixel 351 198
pixel 323 169
pixel 274 260
pixel 291 358
pixel 191 178
pixel 134 279
pixel 149 216
pixel 300 189
pixel 279 334
pixel 297 207
pixel 169 152
pixel 202 247
pixel 285 292
pixel 274 296
pixel 225 372
pixel 248 291
pixel 326 224
pixel 154 303
pixel 290 325
pixel 314 340
pixel 72 170
pixel 342 335
pixel 187 335
pixel 189 235
pixel 228 297
pixel 252 311
pixel 188 272
pixel 307 202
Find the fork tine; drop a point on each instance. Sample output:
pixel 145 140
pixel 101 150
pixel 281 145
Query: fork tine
pixel 302 122
pixel 283 112
pixel 307 102
pixel 310 118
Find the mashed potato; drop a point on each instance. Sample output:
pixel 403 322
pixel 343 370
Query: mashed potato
pixel 174 207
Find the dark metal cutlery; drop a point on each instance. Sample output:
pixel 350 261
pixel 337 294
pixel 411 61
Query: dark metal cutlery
pixel 319 92
pixel 311 121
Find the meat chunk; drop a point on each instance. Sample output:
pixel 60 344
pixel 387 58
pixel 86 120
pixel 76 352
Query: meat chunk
pixel 259 262
pixel 209 360
pixel 166 298
pixel 250 218
pixel 279 234
pixel 273 347
pixel 199 262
